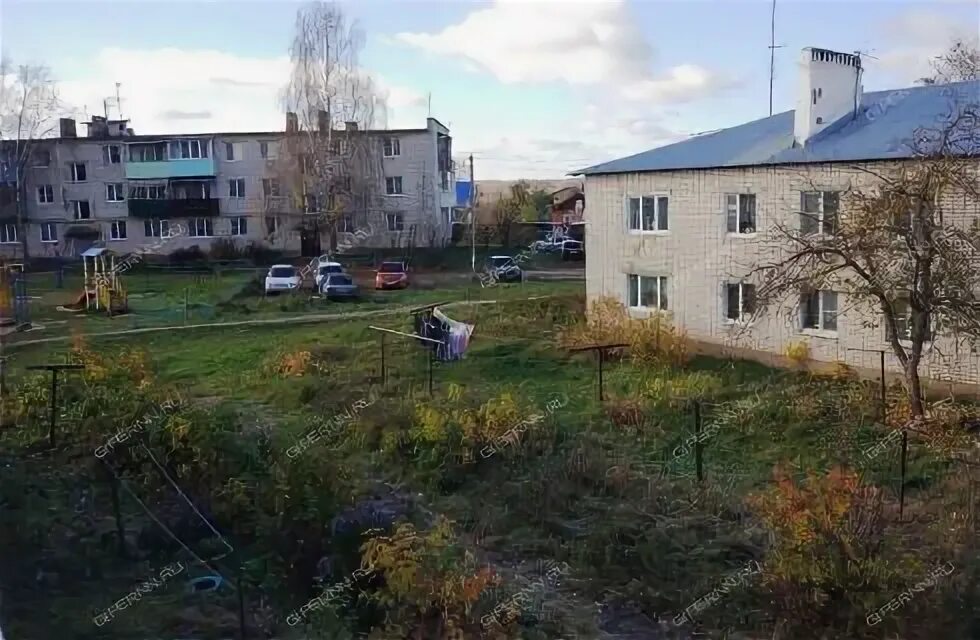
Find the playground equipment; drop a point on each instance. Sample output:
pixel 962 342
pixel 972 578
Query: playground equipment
pixel 14 308
pixel 102 289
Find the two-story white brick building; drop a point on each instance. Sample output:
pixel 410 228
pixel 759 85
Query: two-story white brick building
pixel 676 229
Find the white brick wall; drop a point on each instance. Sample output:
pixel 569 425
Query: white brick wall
pixel 699 256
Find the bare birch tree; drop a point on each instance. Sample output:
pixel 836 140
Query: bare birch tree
pixel 329 165
pixel 29 108
pixel 959 63
pixel 905 249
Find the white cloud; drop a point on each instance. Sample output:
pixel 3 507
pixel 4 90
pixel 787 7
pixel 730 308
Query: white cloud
pixel 594 42
pixel 919 36
pixel 187 91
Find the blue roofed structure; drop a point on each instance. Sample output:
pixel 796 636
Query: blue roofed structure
pixel 880 130
pixel 462 193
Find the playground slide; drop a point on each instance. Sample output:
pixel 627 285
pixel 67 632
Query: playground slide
pixel 76 306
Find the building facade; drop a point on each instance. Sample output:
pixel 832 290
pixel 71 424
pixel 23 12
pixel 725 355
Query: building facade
pixel 125 191
pixel 678 230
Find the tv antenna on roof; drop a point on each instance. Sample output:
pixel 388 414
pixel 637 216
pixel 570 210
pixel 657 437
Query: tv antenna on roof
pixel 772 53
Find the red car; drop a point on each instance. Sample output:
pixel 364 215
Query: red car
pixel 391 275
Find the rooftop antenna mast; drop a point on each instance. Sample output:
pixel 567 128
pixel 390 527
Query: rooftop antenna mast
pixel 772 53
pixel 119 101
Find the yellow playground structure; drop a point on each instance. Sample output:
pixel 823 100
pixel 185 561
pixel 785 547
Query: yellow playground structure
pixel 102 289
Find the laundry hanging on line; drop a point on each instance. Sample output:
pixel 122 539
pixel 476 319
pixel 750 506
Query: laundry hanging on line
pixel 453 336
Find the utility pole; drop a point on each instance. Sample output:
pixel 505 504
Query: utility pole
pixel 472 216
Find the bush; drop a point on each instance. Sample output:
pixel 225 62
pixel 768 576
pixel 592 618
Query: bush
pixel 189 255
pixel 651 340
pixel 260 254
pixel 225 249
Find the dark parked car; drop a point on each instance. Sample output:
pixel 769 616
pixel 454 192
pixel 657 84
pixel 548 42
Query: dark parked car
pixel 504 269
pixel 339 286
pixel 572 250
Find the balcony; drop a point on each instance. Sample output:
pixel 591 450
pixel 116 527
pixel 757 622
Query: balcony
pixel 173 208
pixel 188 168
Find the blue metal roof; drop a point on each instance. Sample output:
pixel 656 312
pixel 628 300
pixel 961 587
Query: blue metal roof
pixel 880 132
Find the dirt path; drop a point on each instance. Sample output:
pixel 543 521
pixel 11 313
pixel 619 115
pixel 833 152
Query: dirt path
pixel 305 319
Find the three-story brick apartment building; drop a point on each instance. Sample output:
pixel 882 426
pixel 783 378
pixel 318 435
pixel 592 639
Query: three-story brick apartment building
pixel 677 229
pixel 121 190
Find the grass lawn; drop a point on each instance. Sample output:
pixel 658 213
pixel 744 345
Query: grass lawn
pixel 607 495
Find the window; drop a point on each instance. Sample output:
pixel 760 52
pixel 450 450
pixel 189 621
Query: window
pixel 45 194
pixel 647 292
pixel 819 212
pixel 114 192
pixel 739 301
pixel 819 310
pixel 77 171
pixel 310 203
pixel 200 227
pixel 446 214
pixel 393 186
pixel 741 212
pixel 392 147
pixel 272 224
pixel 347 224
pixel 187 150
pixel 111 154
pixel 239 226
pixel 233 151
pixel 270 187
pixel 154 228
pixel 191 191
pixel 396 221
pixel 158 192
pixel 903 320
pixel 269 150
pixel 117 230
pixel 648 213
pixel 339 145
pixel 82 209
pixel 148 152
pixel 41 158
pixel 444 180
pixel 49 232
pixel 236 187
pixel 8 234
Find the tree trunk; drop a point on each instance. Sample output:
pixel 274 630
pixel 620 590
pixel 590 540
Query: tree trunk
pixel 22 216
pixel 914 386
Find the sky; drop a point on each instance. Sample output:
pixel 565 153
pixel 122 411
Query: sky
pixel 532 89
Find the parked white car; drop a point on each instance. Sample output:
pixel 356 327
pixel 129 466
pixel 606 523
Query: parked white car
pixel 282 277
pixel 323 270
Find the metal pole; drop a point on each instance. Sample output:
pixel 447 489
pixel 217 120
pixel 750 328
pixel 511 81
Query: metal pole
pixel 384 376
pixel 599 351
pixel 698 454
pixel 54 406
pixel 117 511
pixel 431 358
pixel 472 216
pixel 901 489
pixel 883 392
pixel 241 604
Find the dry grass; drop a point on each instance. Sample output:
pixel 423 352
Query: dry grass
pixel 651 340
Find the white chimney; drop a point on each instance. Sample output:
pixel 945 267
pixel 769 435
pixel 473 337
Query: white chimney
pixel 830 89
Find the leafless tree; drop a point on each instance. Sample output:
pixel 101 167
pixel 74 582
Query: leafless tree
pixel 903 245
pixel 329 165
pixel 959 63
pixel 29 108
